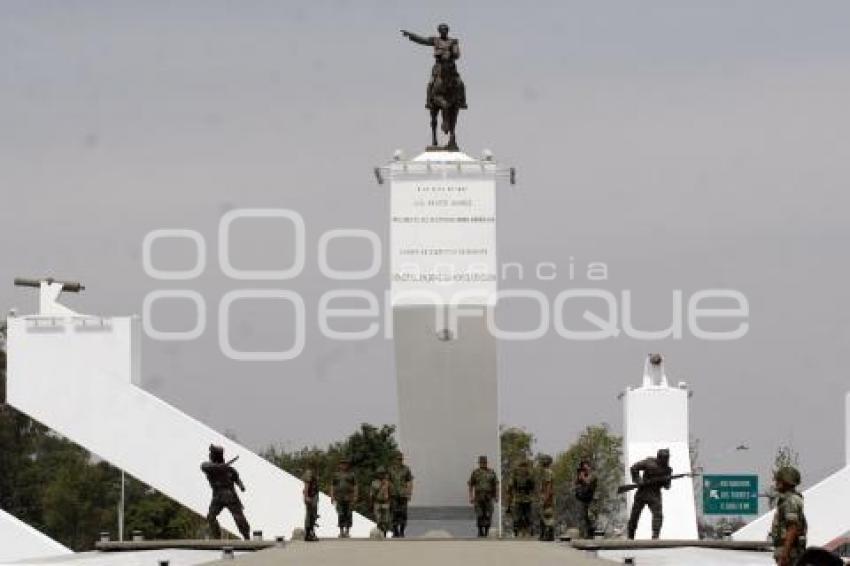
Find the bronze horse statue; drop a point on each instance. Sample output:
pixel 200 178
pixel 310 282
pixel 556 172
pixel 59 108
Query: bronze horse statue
pixel 446 92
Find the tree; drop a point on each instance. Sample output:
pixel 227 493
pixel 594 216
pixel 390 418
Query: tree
pixel 604 450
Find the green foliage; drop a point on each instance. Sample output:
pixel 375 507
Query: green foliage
pixel 367 448
pixel 605 452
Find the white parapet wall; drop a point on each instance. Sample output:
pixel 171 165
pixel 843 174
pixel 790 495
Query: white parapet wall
pixel 655 417
pixel 826 504
pixel 77 375
pixel 19 541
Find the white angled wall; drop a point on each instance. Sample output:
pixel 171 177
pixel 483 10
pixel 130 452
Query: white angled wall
pixel 19 541
pixel 76 375
pixel 655 417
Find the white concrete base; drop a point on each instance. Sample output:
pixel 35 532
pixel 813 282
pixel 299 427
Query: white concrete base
pixel 655 417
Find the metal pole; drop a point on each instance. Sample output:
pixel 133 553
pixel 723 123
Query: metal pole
pixel 121 510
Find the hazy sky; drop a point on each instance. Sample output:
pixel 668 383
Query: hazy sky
pixel 687 145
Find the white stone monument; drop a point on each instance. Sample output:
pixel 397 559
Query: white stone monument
pixel 655 417
pixel 443 286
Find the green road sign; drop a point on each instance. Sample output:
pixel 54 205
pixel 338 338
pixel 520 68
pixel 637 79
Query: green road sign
pixel 730 495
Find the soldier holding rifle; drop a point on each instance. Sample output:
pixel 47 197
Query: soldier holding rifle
pixel 648 477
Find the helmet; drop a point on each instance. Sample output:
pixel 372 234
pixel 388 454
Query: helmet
pixel 216 453
pixel 381 471
pixel 482 459
pixel 789 475
pixel 655 359
pixel 443 26
pixel 663 454
pixel 546 460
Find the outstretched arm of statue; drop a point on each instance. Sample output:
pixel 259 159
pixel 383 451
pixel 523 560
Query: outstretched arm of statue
pixel 417 38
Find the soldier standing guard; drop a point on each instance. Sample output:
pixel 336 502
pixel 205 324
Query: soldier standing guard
pixel 223 477
pixel 789 528
pixel 656 474
pixel 402 488
pixel 311 501
pixel 380 494
pixel 547 499
pixel 344 495
pixel 520 497
pixel 584 490
pixel 483 490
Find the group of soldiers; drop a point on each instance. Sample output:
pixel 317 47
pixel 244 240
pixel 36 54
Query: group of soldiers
pixel 389 495
pixel 392 487
pixel 526 485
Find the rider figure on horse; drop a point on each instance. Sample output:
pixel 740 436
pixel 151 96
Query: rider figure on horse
pixel 446 92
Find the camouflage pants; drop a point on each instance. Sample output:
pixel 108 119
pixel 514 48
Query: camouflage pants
pixel 586 526
pixel 382 516
pixel 547 521
pixel 653 501
pixel 483 511
pixel 344 513
pixel 547 515
pixel 399 512
pixel 227 498
pixel 311 515
pixel 522 518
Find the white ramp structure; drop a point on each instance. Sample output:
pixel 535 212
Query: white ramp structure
pixel 79 375
pixel 443 280
pixel 19 541
pixel 827 504
pixel 655 417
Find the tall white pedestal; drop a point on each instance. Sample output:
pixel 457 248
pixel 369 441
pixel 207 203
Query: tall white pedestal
pixel 655 417
pixel 443 256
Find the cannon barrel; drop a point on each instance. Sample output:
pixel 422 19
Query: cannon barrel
pixel 70 286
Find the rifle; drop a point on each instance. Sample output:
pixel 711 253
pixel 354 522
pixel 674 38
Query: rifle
pixel 231 461
pixel 659 481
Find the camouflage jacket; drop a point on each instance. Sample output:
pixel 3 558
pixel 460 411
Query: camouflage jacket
pixel 522 486
pixel 343 486
pixel 484 482
pixel 400 477
pixel 789 511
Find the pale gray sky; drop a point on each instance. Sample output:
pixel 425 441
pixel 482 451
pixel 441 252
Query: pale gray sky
pixel 686 144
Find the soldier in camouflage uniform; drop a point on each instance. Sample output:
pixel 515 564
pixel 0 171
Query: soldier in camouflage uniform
pixel 311 501
pixel 584 490
pixel 381 494
pixel 402 487
pixel 546 493
pixel 223 478
pixel 521 497
pixel 655 470
pixel 483 490
pixel 344 495
pixel 789 522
